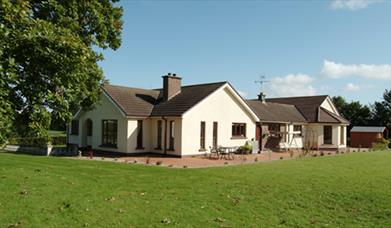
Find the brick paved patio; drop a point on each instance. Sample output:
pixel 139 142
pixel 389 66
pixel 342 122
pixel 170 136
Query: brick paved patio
pixel 207 161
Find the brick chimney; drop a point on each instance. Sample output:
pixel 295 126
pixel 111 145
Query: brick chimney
pixel 171 86
pixel 262 97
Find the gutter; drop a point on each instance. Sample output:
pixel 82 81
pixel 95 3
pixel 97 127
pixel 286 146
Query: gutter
pixel 165 135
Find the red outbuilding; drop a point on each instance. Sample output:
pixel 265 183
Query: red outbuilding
pixel 365 136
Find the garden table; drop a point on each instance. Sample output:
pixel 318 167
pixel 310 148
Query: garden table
pixel 227 152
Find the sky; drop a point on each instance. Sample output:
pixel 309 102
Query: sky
pixel 334 47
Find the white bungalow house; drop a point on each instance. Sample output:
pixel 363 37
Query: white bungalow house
pixel 188 120
pixel 175 120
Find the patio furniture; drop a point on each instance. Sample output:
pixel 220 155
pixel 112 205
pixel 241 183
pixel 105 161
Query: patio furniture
pixel 214 151
pixel 227 152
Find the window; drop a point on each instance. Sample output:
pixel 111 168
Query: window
pixel 159 134
pixel 89 127
pixel 171 142
pixel 109 133
pixel 298 128
pixel 75 127
pixel 140 134
pixel 327 135
pixel 342 135
pixel 239 130
pixel 202 136
pixel 274 129
pixel 215 134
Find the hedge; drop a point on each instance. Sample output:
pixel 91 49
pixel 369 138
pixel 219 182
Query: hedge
pixel 38 141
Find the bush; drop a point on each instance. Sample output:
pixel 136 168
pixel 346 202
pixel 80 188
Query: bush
pixel 30 141
pixel 38 141
pixel 381 144
pixel 246 147
pixel 58 140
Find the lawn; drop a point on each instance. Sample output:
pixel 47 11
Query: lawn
pixel 54 133
pixel 346 190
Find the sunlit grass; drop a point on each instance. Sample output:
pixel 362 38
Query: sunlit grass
pixel 346 190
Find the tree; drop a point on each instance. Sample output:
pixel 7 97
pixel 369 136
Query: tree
pixel 355 112
pixel 48 59
pixel 382 110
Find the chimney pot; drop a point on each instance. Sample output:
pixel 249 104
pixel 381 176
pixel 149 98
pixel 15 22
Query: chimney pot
pixel 262 97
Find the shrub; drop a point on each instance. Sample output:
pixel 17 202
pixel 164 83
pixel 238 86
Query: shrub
pixel 38 141
pixel 30 141
pixel 381 144
pixel 247 147
pixel 58 140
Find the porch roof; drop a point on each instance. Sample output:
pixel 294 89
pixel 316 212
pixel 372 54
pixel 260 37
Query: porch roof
pixel 273 112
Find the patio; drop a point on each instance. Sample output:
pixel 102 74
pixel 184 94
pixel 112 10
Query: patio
pixel 213 161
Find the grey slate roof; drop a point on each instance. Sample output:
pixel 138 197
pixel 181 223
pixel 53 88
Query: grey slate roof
pixel 145 103
pixel 368 129
pixel 273 112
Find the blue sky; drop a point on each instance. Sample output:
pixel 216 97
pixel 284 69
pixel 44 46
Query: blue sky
pixel 302 47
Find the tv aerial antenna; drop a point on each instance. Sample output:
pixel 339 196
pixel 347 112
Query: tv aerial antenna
pixel 262 80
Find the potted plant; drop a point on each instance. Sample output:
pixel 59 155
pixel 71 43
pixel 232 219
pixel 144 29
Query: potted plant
pixel 246 149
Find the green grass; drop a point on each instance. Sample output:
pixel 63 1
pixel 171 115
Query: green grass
pixel 54 133
pixel 351 190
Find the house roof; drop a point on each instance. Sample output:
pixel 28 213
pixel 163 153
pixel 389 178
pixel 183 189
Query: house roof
pixel 325 116
pixel 308 106
pixel 144 102
pixel 187 98
pixel 368 129
pixel 274 112
pixel 133 101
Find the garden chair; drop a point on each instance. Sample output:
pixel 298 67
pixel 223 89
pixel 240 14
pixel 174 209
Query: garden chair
pixel 214 151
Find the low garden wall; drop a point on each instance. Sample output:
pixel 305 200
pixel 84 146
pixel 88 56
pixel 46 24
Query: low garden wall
pixel 45 146
pixel 43 151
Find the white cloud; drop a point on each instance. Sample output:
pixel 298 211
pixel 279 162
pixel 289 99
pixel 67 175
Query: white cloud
pixel 243 94
pixel 339 70
pixel 352 87
pixel 352 4
pixel 292 85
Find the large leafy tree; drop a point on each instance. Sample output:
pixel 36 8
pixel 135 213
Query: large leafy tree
pixel 355 112
pixel 382 110
pixel 48 59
